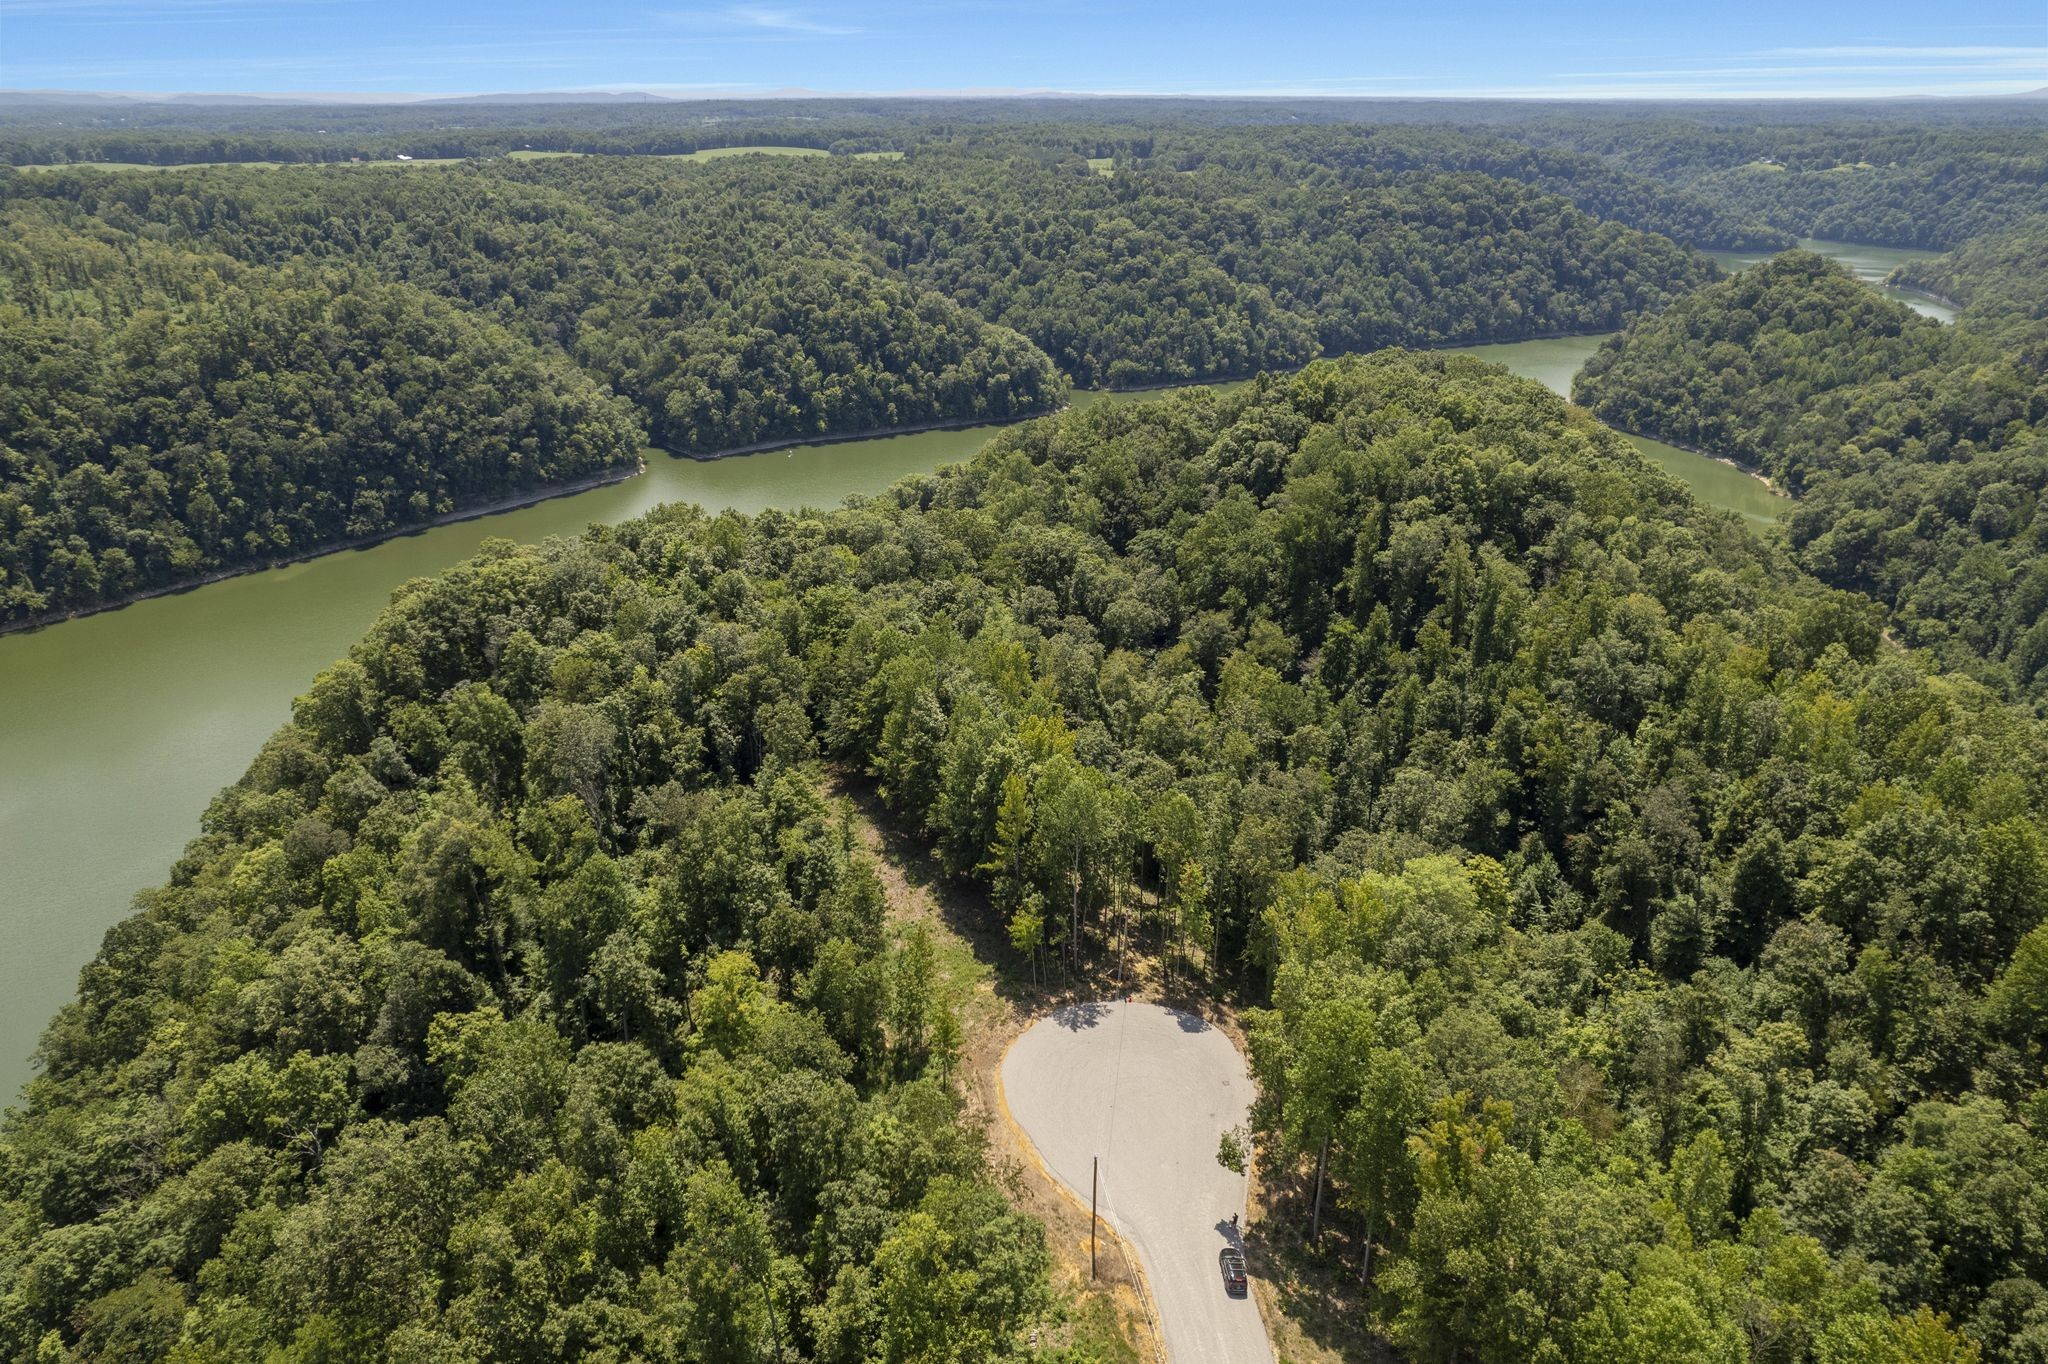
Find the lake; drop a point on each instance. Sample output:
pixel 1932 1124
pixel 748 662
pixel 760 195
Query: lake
pixel 1715 482
pixel 1868 263
pixel 120 727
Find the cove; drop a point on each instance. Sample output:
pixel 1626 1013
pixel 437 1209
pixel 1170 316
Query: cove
pixel 117 729
pixel 1868 263
pixel 1716 482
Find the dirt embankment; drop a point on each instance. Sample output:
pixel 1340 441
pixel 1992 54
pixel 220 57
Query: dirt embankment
pixel 993 1007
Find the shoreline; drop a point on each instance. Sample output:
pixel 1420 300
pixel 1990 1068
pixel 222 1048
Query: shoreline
pixel 621 473
pixel 510 502
pixel 1770 484
pixel 1916 291
pixel 477 511
pixel 866 433
pixel 1167 385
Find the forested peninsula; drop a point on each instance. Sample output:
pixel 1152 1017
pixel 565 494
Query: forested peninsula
pixel 1917 450
pixel 1390 687
pixel 165 414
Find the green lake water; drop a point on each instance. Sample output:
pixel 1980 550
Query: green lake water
pixel 1553 362
pixel 116 729
pixel 1868 263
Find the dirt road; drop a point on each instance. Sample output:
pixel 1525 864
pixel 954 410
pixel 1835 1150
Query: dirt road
pixel 1149 1090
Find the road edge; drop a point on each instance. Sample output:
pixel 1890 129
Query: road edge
pixel 1030 1149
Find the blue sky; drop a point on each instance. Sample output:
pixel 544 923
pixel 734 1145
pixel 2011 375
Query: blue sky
pixel 1599 48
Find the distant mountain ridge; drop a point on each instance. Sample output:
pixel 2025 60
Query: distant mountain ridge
pixel 557 97
pixel 106 97
pixel 88 98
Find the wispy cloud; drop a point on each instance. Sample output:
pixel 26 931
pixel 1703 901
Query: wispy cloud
pixel 1782 72
pixel 2032 54
pixel 764 19
pixel 786 21
pixel 533 63
pixel 1843 70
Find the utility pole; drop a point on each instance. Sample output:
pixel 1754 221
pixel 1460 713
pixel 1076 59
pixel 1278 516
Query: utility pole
pixel 1094 1184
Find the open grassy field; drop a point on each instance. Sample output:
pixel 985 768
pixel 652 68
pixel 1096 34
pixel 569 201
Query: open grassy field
pixel 713 153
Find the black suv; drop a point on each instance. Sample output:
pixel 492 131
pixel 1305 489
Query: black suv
pixel 1232 1260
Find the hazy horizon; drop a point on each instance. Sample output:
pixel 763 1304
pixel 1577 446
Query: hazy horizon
pixel 372 49
pixel 630 94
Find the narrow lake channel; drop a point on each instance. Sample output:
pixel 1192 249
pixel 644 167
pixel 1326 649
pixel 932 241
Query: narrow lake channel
pixel 1868 263
pixel 116 729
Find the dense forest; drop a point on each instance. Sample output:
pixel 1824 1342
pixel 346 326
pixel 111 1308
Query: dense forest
pixel 1636 923
pixel 164 414
pixel 1896 172
pixel 1156 275
pixel 1997 279
pixel 1136 278
pixel 1654 952
pixel 1906 180
pixel 259 384
pixel 1943 196
pixel 1918 451
pixel 725 336
pixel 1588 181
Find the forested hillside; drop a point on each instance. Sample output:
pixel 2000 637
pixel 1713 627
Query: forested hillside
pixel 164 414
pixel 1714 174
pixel 1902 179
pixel 1917 450
pixel 1937 200
pixel 1157 275
pixel 1592 183
pixel 1134 279
pixel 512 1019
pixel 1654 952
pixel 731 315
pixel 1998 279
pixel 255 384
pixel 1773 367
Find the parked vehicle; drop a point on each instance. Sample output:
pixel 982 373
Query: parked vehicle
pixel 1235 1281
